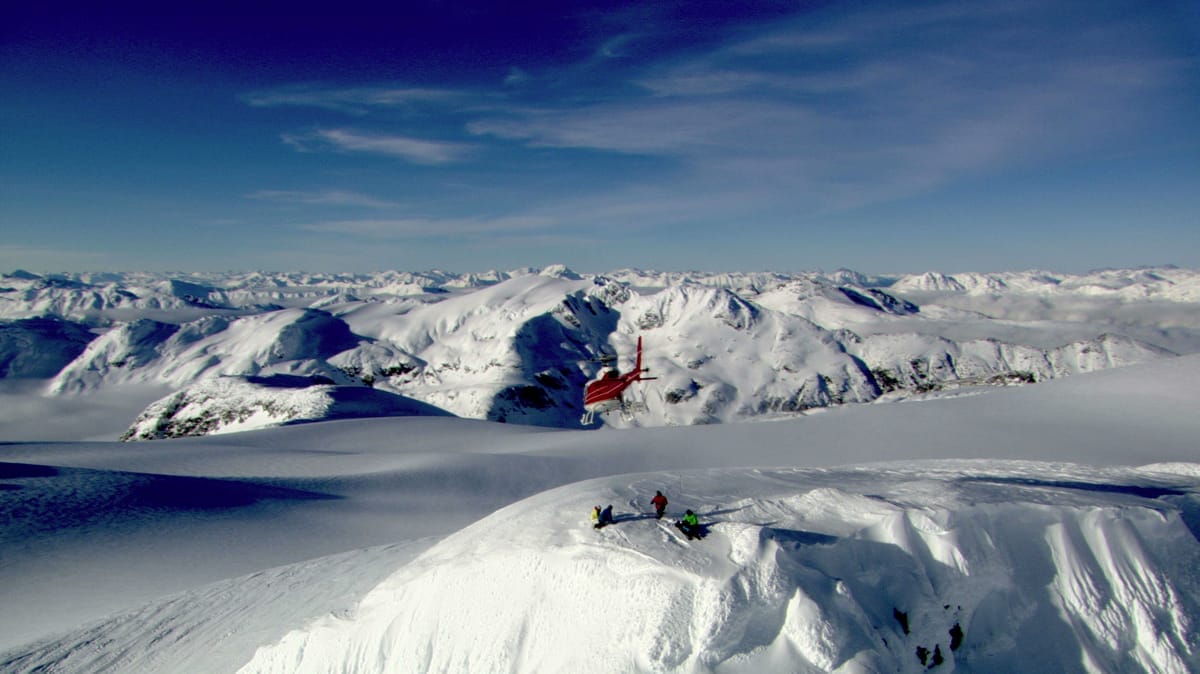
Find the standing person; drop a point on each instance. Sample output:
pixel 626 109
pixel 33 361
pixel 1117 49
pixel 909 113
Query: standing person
pixel 660 504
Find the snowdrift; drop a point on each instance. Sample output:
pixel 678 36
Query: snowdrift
pixel 984 566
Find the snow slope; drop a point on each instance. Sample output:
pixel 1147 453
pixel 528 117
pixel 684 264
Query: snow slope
pixel 217 553
pixel 988 566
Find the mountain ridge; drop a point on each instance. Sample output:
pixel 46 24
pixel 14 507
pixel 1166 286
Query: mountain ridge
pixel 518 346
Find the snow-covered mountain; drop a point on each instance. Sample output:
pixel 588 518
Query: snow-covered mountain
pixel 287 341
pixel 234 404
pixel 1159 283
pixel 103 297
pixel 519 346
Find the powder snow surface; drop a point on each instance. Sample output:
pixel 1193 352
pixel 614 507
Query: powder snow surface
pixel 1041 567
pixel 1054 524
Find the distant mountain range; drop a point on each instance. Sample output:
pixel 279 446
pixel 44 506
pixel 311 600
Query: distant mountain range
pixel 518 346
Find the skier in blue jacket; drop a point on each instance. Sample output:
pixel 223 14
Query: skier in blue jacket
pixel 606 517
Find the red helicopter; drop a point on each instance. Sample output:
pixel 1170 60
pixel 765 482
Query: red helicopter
pixel 603 394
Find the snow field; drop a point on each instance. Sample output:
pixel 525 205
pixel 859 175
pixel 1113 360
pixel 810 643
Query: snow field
pixel 1045 567
pixel 861 570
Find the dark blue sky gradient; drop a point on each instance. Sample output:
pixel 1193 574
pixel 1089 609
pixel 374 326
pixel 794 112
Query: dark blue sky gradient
pixel 713 135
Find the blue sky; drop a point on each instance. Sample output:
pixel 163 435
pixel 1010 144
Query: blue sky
pixel 761 135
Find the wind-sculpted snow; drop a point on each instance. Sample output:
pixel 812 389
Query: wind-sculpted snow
pixel 984 567
pixel 519 346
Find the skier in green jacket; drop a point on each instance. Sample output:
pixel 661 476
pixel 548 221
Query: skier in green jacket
pixel 689 525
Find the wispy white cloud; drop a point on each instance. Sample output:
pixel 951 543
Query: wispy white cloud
pixel 616 47
pixel 705 81
pixel 354 100
pixel 415 150
pixel 323 198
pixel 854 107
pixel 695 128
pixel 422 227
pixel 516 76
pixel 878 25
pixel 832 110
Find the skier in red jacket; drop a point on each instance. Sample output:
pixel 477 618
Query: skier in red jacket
pixel 660 504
